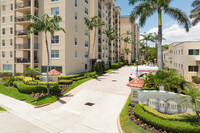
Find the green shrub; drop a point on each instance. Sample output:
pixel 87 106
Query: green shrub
pixel 99 67
pixel 27 79
pixel 32 83
pixel 176 117
pixel 167 125
pixel 29 89
pixel 5 73
pixel 68 77
pixel 19 78
pixel 38 77
pixel 148 88
pixel 196 79
pixel 79 78
pixel 90 74
pixel 45 83
pixel 117 65
pixel 67 82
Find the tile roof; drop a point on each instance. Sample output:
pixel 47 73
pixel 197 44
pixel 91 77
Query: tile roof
pixel 136 82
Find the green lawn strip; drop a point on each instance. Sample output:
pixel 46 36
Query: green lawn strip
pixel 41 100
pixel 109 70
pixel 2 109
pixel 126 124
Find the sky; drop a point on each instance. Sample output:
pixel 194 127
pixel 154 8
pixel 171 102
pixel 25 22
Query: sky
pixel 171 30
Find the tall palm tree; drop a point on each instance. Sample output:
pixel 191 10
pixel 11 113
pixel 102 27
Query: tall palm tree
pixel 93 24
pixel 194 97
pixel 155 40
pixel 147 8
pixel 195 13
pixel 127 37
pixel 111 34
pixel 147 37
pixel 44 24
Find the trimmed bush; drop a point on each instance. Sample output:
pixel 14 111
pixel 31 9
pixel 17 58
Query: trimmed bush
pixel 78 78
pixel 5 73
pixel 45 83
pixel 117 65
pixel 27 79
pixel 90 74
pixel 68 77
pixel 67 82
pixel 167 125
pixel 19 78
pixel 99 67
pixel 29 89
pixel 176 117
pixel 196 79
pixel 38 77
pixel 32 83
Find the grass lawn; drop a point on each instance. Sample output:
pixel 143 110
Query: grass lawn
pixel 109 70
pixel 126 124
pixel 2 109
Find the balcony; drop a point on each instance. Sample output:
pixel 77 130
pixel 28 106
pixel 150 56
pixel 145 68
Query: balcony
pixel 25 60
pixel 22 46
pixel 22 33
pixel 21 19
pixel 25 5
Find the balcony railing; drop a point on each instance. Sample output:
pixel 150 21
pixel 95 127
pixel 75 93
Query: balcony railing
pixel 21 19
pixel 25 4
pixel 25 60
pixel 22 33
pixel 22 46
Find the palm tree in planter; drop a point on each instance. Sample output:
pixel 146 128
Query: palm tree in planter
pixel 195 13
pixel 111 34
pixel 32 72
pixel 93 23
pixel 147 8
pixel 44 24
pixel 194 97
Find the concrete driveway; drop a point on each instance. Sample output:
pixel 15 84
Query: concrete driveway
pixel 92 107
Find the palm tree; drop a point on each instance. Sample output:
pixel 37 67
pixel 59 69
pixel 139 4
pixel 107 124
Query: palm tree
pixel 155 40
pixel 195 13
pixel 111 34
pixel 44 24
pixel 126 37
pixel 32 72
pixel 93 23
pixel 147 37
pixel 147 8
pixel 194 97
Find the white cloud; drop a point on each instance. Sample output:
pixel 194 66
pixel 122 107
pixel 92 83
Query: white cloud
pixel 175 33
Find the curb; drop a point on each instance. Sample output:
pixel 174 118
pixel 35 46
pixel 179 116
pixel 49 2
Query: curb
pixel 119 125
pixel 40 106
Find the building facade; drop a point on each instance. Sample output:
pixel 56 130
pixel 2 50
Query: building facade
pixel 184 57
pixel 126 25
pixel 68 52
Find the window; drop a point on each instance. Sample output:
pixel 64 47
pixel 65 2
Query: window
pixel 76 3
pixel 86 11
pixel 3 43
pixel 11 7
pixel 86 1
pixel 58 68
pixel 3 54
pixel 11 54
pixel 54 0
pixel 4 8
pixel 86 33
pixel 54 54
pixel 3 31
pixel 76 30
pixel 86 44
pixel 11 30
pixel 55 40
pixel 11 42
pixel 57 24
pixel 86 54
pixel 76 42
pixel 76 16
pixel 3 20
pixel 11 19
pixel 193 68
pixel 54 11
pixel 193 51
pixel 76 55
pixel 85 66
pixel 7 67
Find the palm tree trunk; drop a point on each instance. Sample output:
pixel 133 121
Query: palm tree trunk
pixel 147 52
pixel 47 48
pixel 94 43
pixel 159 45
pixel 88 60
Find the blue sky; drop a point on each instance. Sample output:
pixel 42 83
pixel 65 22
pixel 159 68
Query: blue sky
pixel 152 22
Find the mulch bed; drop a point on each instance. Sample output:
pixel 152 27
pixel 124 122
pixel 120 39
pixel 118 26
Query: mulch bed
pixel 140 123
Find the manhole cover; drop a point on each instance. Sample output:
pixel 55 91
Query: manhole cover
pixel 114 80
pixel 89 104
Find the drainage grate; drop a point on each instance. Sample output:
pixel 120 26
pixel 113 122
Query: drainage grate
pixel 89 104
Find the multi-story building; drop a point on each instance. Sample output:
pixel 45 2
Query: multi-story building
pixel 108 51
pixel 184 57
pixel 126 25
pixel 68 52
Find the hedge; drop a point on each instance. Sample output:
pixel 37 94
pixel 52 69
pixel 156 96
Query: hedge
pixel 8 73
pixel 117 65
pixel 45 83
pixel 79 78
pixel 176 117
pixel 27 79
pixel 28 89
pixel 167 125
pixel 196 79
pixel 71 77
pixel 67 82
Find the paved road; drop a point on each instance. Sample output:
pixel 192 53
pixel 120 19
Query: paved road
pixel 108 93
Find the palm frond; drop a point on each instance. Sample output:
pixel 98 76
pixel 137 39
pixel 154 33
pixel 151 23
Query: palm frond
pixel 133 2
pixel 196 3
pixel 180 16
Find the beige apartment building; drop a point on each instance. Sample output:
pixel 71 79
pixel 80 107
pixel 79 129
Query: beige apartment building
pixel 184 57
pixel 126 25
pixel 68 52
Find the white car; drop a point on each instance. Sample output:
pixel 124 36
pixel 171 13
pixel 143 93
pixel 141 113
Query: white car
pixel 141 71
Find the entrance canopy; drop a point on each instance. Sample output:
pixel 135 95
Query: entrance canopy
pixel 54 72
